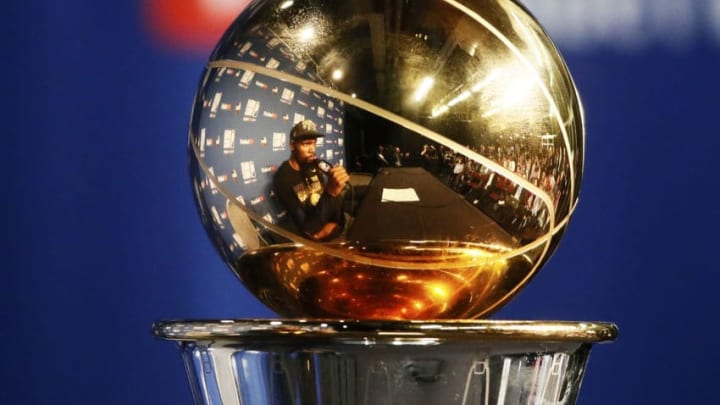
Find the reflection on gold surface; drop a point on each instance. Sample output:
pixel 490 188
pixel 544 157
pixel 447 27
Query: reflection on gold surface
pixel 297 281
pixel 474 93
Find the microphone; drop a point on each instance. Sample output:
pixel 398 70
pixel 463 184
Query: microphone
pixel 325 166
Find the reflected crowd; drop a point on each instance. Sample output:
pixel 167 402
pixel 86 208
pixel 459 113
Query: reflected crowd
pixel 519 211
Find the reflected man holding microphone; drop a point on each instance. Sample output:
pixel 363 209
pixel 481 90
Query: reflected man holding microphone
pixel 310 189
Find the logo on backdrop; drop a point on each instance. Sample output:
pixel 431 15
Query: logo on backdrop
pixel 584 25
pixel 190 25
pixel 581 25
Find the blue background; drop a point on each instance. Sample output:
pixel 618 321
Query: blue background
pixel 102 237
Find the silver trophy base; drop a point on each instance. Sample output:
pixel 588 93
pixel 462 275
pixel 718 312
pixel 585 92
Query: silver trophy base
pixel 263 362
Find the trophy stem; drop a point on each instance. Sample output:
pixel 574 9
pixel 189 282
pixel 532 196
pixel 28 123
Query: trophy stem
pixel 376 363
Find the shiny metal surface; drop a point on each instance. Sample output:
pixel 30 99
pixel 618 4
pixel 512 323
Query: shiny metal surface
pixel 474 92
pixel 361 331
pixel 336 362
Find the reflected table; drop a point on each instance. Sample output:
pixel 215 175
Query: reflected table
pixel 439 214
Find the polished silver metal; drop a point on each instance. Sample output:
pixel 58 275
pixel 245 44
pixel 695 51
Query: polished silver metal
pixel 308 362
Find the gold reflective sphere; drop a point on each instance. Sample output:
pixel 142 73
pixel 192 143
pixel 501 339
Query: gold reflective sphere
pixel 411 159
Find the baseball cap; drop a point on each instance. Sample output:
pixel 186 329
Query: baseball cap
pixel 305 129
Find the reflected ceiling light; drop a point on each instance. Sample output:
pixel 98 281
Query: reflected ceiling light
pixel 459 98
pixel 493 75
pixel 286 4
pixel 514 97
pixel 439 111
pixel 306 34
pixel 517 92
pixel 424 88
pixel 490 112
pixel 337 74
pixel 354 95
pixel 484 82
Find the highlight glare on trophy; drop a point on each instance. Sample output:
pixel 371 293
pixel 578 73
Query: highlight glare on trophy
pixel 457 122
pixel 385 173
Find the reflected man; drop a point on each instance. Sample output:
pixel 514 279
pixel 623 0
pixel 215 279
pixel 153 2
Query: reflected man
pixel 312 198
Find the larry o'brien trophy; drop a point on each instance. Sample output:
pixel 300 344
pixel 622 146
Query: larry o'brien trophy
pixel 462 133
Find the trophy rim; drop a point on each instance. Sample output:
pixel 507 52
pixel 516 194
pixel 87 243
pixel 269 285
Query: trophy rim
pixel 387 330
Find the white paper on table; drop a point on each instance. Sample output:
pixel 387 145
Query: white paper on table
pixel 399 195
